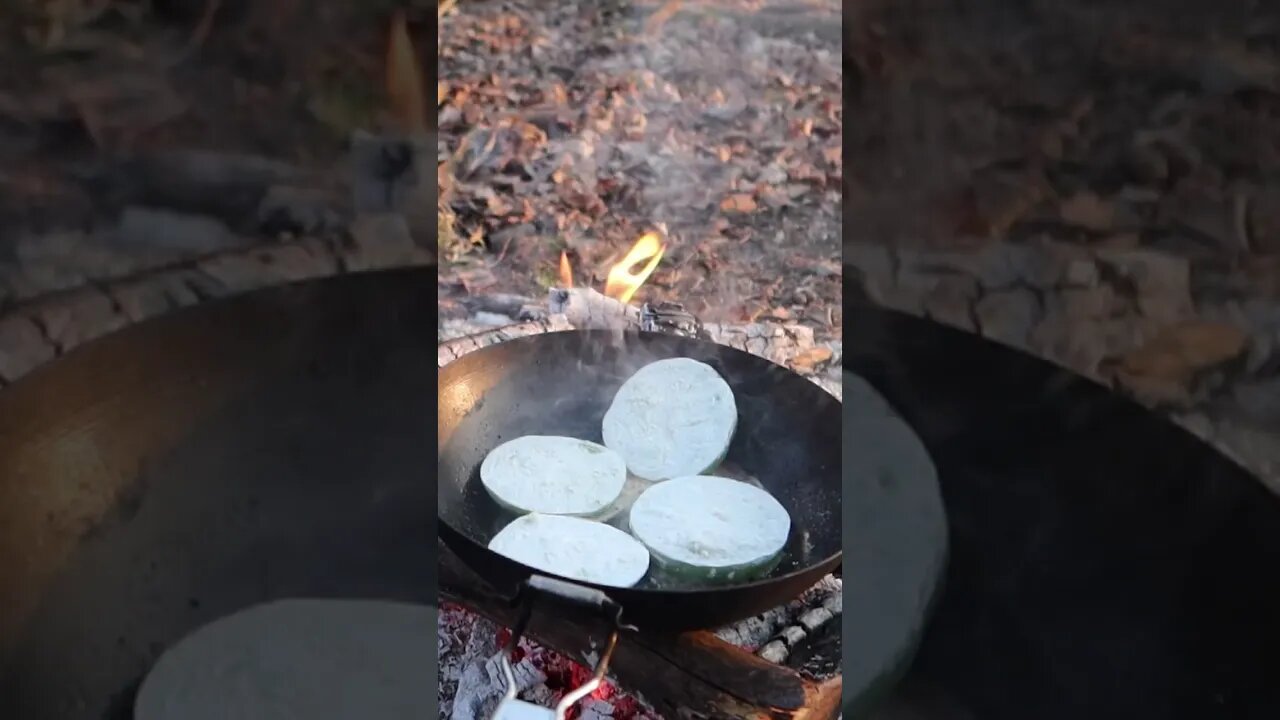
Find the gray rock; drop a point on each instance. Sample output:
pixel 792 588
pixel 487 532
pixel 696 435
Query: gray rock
pixel 152 296
pixel 64 260
pixel 22 347
pixel 1162 281
pixel 76 318
pixel 1257 401
pixel 272 266
pixel 950 300
pixel 1091 304
pixel 1081 344
pixel 1080 273
pixel 1008 315
pixel 874 265
pixel 1257 449
pixel 1148 269
pixel 383 240
pixel 1001 265
pixel 174 235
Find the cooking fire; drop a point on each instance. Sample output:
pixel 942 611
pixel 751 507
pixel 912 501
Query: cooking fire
pixel 558 181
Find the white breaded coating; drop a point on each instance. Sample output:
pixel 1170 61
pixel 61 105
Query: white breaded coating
pixel 673 418
pixel 553 475
pixel 710 522
pixel 574 548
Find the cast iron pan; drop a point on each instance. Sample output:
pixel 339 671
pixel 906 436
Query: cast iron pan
pixel 788 438
pixel 1104 563
pixel 270 446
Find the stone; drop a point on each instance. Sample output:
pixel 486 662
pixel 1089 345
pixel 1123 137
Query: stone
pixel 1043 264
pixel 174 235
pixel 1087 303
pixel 1161 281
pixel 1008 315
pixel 1080 273
pixel 140 300
pixel 65 260
pixel 873 265
pixel 76 318
pixel 383 240
pixel 1256 448
pixel 950 300
pixel 22 347
pixel 152 296
pixel 271 266
pixel 1196 423
pixel 1257 400
pixel 1075 343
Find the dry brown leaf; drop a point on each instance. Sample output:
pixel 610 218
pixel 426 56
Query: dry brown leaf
pixel 738 203
pixel 1087 210
pixel 807 362
pixel 1164 369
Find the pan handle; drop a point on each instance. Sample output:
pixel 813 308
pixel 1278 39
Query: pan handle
pixel 570 595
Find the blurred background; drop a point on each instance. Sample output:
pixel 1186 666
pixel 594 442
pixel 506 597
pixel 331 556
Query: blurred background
pixel 156 153
pixel 1097 182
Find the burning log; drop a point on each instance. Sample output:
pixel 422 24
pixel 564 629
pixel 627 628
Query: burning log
pixel 586 309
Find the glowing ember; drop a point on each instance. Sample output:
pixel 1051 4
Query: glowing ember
pixel 404 81
pixel 622 283
pixel 566 272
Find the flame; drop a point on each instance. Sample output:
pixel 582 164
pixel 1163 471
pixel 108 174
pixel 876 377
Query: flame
pixel 566 272
pixel 622 283
pixel 404 81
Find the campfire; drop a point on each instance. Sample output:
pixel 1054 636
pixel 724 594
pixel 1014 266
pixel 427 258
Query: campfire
pixel 622 283
pixel 472 682
pixel 758 662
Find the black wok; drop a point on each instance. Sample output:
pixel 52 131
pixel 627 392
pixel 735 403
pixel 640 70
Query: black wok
pixel 788 438
pixel 1105 563
pixel 273 445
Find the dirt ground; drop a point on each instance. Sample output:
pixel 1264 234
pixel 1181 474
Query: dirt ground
pixel 1155 122
pixel 579 126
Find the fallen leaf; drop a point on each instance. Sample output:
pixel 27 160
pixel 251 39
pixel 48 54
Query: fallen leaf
pixel 738 203
pixel 807 362
pixel 1165 369
pixel 1087 210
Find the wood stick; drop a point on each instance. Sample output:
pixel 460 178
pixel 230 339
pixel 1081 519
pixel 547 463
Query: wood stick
pixel 691 674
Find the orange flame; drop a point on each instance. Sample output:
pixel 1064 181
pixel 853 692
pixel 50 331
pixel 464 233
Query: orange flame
pixel 404 81
pixel 622 283
pixel 566 272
